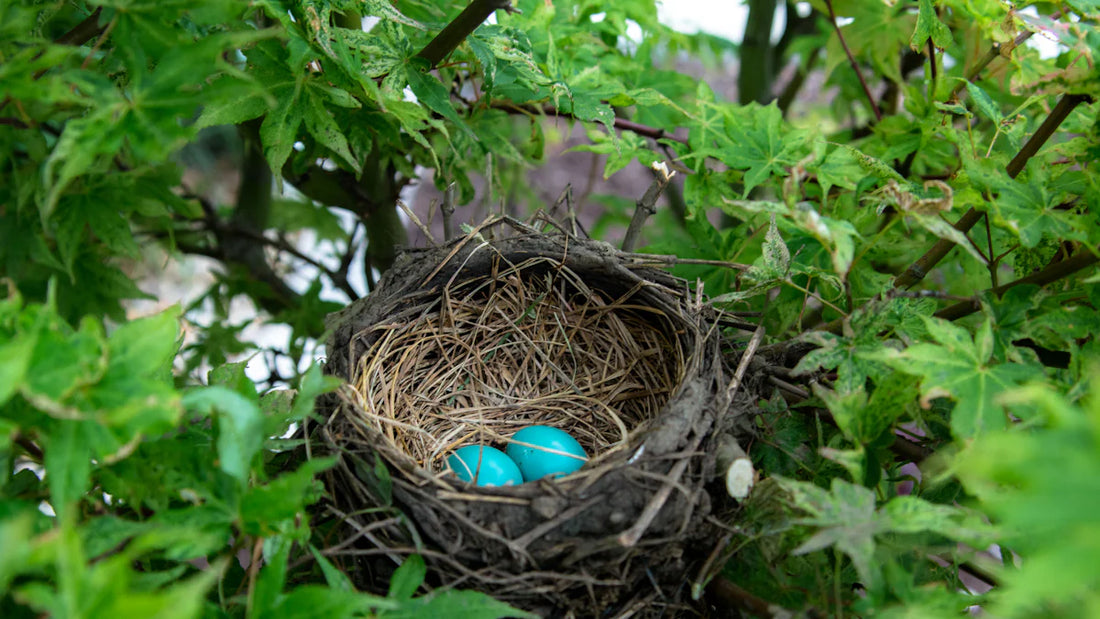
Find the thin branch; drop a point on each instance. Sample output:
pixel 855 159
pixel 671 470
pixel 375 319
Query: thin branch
pixel 995 51
pixel 461 27
pixel 916 271
pixel 725 594
pixel 646 206
pixel 80 34
pixel 852 61
pixel 99 43
pixel 645 131
pixel 932 70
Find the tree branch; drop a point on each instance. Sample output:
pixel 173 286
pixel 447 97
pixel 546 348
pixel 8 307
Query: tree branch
pixel 995 51
pixel 645 131
pixel 852 61
pixel 460 27
pixel 1082 259
pixel 916 271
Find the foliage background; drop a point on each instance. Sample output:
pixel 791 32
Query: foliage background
pixel 919 246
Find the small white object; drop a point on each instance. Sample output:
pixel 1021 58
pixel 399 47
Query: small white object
pixel 637 454
pixel 740 477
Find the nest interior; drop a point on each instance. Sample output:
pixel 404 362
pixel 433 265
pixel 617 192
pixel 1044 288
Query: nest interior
pixel 468 343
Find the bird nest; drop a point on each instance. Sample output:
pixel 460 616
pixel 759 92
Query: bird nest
pixel 468 343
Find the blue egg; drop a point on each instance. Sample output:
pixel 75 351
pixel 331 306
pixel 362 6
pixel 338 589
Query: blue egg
pixel 485 466
pixel 537 458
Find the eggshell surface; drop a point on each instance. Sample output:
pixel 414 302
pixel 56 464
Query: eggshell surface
pixel 485 466
pixel 545 451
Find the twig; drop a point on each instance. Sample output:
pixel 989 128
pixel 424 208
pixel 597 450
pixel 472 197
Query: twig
pixel 794 390
pixel 647 205
pixel 664 259
pixel 461 27
pixel 416 222
pixel 29 446
pixel 992 54
pixel 916 271
pixel 81 33
pixel 448 209
pixel 852 61
pixel 932 70
pixel 645 131
pixel 726 594
pixel 99 43
pixel 253 570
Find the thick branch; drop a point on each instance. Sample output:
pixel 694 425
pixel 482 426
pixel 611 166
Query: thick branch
pixel 1059 270
pixel 456 32
pixel 756 72
pixel 251 215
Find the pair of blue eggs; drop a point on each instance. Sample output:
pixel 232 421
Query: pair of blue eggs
pixel 534 453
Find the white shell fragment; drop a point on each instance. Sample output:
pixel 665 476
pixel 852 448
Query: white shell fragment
pixel 740 477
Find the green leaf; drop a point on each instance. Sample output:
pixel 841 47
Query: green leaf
pixel 458 604
pixel 321 125
pixel 313 384
pixel 985 104
pixel 777 257
pixel 263 508
pixel 944 230
pixel 961 367
pixel 407 578
pixel 68 466
pixel 239 425
pixel 335 579
pixel 761 145
pixel 1017 475
pixel 145 346
pixel 929 26
pixel 15 359
pixel 846 519
pixel 432 93
pixel 15 538
pixel 233 376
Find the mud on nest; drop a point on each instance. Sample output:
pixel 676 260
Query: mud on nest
pixel 468 343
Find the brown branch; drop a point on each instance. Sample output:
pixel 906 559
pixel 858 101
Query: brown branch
pixel 852 61
pixel 996 50
pixel 1082 259
pixel 645 207
pixel 723 593
pixel 80 34
pixel 916 271
pixel 83 32
pixel 645 131
pixel 461 27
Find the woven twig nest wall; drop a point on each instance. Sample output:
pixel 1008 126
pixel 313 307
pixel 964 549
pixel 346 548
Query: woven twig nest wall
pixel 467 343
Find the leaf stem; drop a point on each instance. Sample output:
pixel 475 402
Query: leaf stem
pixel 852 61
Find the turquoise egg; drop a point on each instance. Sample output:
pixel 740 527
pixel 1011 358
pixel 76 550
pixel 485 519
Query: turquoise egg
pixel 485 466
pixel 537 457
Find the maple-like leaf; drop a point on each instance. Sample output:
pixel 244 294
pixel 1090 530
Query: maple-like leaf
pixel 962 368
